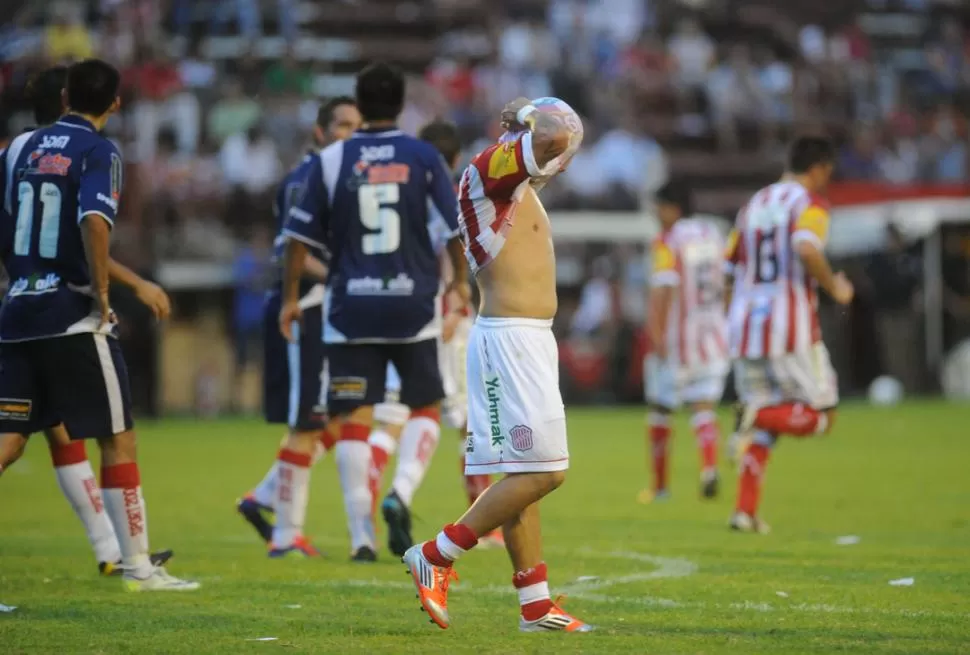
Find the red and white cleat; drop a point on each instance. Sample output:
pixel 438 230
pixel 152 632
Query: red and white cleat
pixel 432 584
pixel 557 619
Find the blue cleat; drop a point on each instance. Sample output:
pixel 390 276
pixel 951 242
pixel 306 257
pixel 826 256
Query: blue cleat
pixel 398 519
pixel 256 515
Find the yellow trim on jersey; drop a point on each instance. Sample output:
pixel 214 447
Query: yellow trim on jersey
pixel 731 248
pixel 663 258
pixel 815 220
pixel 503 162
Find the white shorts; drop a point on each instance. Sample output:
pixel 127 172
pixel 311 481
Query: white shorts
pixel 452 357
pixel 516 418
pixel 667 385
pixel 804 377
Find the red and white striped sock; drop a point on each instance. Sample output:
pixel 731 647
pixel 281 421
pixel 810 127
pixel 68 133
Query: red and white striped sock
pixel 707 432
pixel 292 495
pixel 353 463
pixel 76 480
pixel 658 434
pixel 533 587
pixel 125 506
pixel 454 540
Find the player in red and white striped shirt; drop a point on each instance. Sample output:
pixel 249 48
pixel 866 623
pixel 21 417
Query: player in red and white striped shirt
pixel 783 375
pixel 688 360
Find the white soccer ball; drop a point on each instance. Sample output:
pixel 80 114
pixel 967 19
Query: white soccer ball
pixel 885 391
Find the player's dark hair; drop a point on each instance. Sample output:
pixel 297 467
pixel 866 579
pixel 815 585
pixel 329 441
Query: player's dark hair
pixel 327 109
pixel 808 151
pixel 676 192
pixel 44 94
pixel 92 86
pixel 443 136
pixel 380 92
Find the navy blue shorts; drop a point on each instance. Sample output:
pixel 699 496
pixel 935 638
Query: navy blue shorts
pixel 291 371
pixel 358 374
pixel 78 379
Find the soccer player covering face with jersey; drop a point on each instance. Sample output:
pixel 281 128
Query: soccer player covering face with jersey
pixel 688 359
pixel 377 202
pixel 516 421
pixel 782 370
pixel 292 371
pixel 60 360
pixel 75 477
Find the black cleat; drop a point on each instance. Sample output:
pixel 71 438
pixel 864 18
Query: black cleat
pixel 364 554
pixel 398 519
pixel 114 568
pixel 709 486
pixel 252 511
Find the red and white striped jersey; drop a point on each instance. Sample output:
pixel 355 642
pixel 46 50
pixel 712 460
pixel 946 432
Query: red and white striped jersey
pixel 488 193
pixel 689 256
pixel 774 308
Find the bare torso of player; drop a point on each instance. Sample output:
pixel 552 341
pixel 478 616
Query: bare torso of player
pixel 521 282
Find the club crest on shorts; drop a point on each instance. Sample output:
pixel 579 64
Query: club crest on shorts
pixel 521 436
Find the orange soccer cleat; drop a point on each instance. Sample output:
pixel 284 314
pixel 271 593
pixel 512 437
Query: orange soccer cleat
pixel 432 584
pixel 556 619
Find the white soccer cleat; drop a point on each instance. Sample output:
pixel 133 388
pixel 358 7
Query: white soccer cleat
pixel 746 523
pixel 556 620
pixel 159 580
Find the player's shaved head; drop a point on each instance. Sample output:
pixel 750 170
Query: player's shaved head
pixel 44 91
pixel 809 151
pixel 444 137
pixel 380 92
pixel 92 87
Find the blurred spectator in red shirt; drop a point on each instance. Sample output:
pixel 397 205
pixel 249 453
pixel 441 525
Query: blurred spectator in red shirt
pixel 161 100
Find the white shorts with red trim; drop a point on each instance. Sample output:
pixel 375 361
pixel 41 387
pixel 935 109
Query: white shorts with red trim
pixel 516 418
pixel 667 385
pixel 452 357
pixel 804 376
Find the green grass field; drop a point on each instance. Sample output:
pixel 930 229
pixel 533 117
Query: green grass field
pixel 669 578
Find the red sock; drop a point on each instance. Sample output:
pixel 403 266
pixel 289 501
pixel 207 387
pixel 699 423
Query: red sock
pixel 752 474
pixel 475 485
pixel 453 540
pixel 705 427
pixel 72 453
pixel 378 462
pixel 533 587
pixel 794 419
pixel 659 433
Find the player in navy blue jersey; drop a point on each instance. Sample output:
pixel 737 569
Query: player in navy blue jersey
pixel 61 187
pixel 377 202
pixel 292 371
pixel 75 476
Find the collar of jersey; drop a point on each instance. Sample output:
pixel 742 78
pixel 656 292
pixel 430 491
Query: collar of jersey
pixel 73 120
pixel 377 131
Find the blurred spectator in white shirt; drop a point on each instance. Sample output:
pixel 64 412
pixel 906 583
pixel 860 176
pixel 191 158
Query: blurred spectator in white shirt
pixel 735 94
pixel 692 54
pixel 595 308
pixel 250 161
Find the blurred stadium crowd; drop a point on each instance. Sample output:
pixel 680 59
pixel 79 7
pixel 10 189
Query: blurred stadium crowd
pixel 220 94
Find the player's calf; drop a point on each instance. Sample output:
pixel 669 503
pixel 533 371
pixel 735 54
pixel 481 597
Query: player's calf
pixel 11 448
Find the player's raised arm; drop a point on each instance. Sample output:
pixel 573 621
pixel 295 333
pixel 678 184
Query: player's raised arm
pixel 808 240
pixel 306 225
pixel 100 191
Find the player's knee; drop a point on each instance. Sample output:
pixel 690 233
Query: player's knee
pixel 302 441
pixel 11 449
pixel 119 448
pixel 552 480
